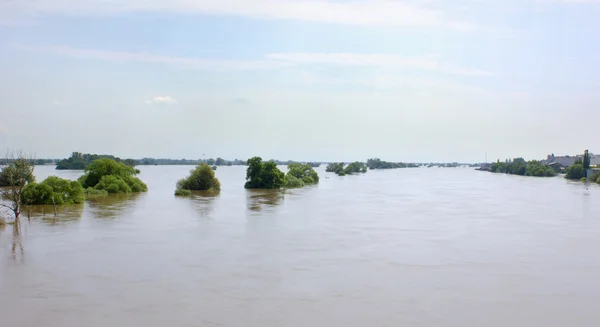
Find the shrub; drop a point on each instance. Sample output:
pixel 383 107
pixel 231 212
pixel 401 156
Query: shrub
pixel 112 176
pixel 583 179
pixel 335 168
pixel 263 175
pixel 303 172
pixel 90 191
pixel 53 190
pixel 292 181
pixel 575 171
pixel 182 192
pixel 201 178
pixel 355 167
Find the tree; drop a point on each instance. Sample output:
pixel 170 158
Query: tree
pixel 586 160
pixel 575 171
pixel 201 178
pixel 263 175
pixel 17 172
pixel 355 167
pixel 53 191
pixel 210 162
pixel 112 176
pixel 303 172
pixel 220 162
pixel 335 168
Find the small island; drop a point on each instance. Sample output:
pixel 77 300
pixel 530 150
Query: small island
pixel 519 166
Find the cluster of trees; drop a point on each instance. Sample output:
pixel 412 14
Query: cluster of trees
pixel 79 161
pixel 521 167
pixel 109 176
pixel 265 175
pixel 579 169
pixel 377 163
pixel 300 175
pixel 353 168
pixel 201 178
pixel 53 191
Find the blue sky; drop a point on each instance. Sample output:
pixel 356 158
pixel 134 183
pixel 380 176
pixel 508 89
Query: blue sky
pixel 420 80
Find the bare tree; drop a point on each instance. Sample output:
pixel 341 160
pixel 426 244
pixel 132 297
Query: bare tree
pixel 16 170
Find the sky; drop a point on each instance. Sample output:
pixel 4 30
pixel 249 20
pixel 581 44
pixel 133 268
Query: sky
pixel 327 80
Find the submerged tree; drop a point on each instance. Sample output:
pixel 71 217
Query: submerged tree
pixel 263 175
pixel 17 172
pixel 299 175
pixel 112 177
pixel 53 191
pixel 201 178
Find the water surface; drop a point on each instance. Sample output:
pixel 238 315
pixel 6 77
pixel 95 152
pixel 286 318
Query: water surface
pixel 406 247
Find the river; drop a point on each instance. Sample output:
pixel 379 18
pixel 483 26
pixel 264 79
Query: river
pixel 406 247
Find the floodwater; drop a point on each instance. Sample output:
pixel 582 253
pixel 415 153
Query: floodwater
pixel 406 247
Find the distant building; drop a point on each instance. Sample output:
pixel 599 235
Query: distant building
pixel 566 161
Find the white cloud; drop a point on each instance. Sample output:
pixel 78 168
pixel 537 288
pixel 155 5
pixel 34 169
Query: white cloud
pixel 357 12
pixel 57 103
pixel 271 61
pixel 168 100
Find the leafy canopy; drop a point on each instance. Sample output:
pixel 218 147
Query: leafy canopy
pixel 263 175
pixel 201 178
pixel 53 190
pixel 575 171
pixel 112 176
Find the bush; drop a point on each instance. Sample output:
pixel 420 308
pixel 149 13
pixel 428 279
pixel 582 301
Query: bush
pixel 263 175
pixel 535 168
pixel 112 176
pixel 303 172
pixel 335 168
pixel 595 176
pixel 202 178
pixel 182 192
pixel 583 179
pixel 292 181
pixel 355 167
pixel 53 190
pixel 575 171
pixel 90 191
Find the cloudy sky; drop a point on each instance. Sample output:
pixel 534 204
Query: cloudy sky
pixel 403 80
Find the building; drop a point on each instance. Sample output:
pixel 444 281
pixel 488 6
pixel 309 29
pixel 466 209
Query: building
pixel 566 161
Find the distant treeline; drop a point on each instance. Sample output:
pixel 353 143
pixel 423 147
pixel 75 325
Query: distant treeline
pixel 377 163
pixel 79 161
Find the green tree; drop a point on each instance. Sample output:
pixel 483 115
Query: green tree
pixel 586 160
pixel 201 178
pixel 112 176
pixel 210 162
pixel 303 172
pixel 53 191
pixel 575 171
pixel 16 171
pixel 263 175
pixel 335 168
pixel 220 162
pixel 355 167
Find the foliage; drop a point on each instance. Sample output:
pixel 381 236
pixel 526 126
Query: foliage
pixel 53 190
pixel 213 167
pixel 335 168
pixel 201 178
pixel 595 177
pixel 10 173
pixel 377 163
pixel 519 166
pixel 90 191
pixel 17 171
pixel 292 181
pixel 263 175
pixel 355 167
pixel 314 164
pixel 575 171
pixel 586 160
pixel 112 176
pixel 303 172
pixel 182 192
pixel 583 179
pixel 220 162
pixel 535 168
pixel 79 161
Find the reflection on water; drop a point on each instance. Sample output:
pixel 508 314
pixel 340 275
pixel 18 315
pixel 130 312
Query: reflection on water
pixel 258 200
pixel 17 250
pixel 111 205
pixel 202 201
pixel 53 215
